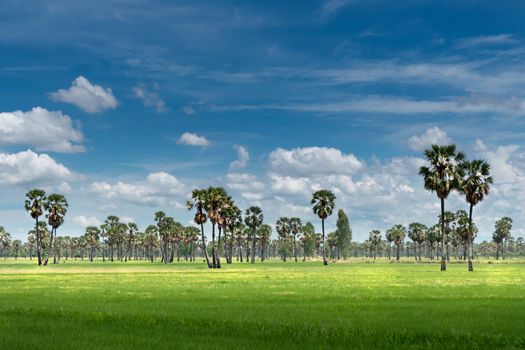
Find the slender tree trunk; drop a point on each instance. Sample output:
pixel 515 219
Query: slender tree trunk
pixel 55 248
pixel 397 250
pixel 325 261
pixel 443 257
pixel 469 239
pixel 38 243
pixel 253 246
pixel 294 248
pixel 204 246
pixel 218 247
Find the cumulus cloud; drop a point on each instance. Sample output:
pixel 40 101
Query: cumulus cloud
pixel 432 136
pixel 310 161
pixel 28 168
pixel 149 98
pixel 84 221
pixel 193 140
pixel 153 191
pixel 243 156
pixel 45 130
pixel 89 97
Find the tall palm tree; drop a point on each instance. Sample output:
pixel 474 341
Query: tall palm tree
pixel 92 237
pixel 416 232
pixel 295 228
pixel 253 219
pixel 375 240
pixel 282 226
pixel 441 177
pixel 33 205
pixel 56 205
pixel 265 233
pixel 398 233
pixel 198 202
pixel 475 185
pixel 162 225
pixel 323 202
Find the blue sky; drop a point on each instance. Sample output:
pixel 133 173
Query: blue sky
pixel 127 105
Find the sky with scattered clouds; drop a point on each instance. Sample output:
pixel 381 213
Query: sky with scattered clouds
pixel 125 106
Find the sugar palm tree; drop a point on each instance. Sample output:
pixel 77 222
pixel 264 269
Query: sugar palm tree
pixel 33 205
pixel 162 226
pixel 56 205
pixel 264 233
pixel 475 185
pixel 198 202
pixel 282 226
pixel 416 232
pixel 441 177
pixel 92 236
pixel 253 219
pixel 375 240
pixel 295 228
pixel 323 202
pixel 398 233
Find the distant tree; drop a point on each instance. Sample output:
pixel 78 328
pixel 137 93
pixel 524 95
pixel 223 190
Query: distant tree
pixel 502 232
pixel 343 233
pixel 475 186
pixel 442 176
pixel 34 206
pixel 308 240
pixel 253 219
pixel 198 202
pixel 92 237
pixel 56 206
pixel 295 228
pixel 264 233
pixel 323 202
pixel 398 233
pixel 374 237
pixel 416 232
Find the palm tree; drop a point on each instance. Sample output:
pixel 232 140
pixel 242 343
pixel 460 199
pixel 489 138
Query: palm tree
pixel 416 232
pixel 56 205
pixel 295 227
pixel 323 202
pixel 162 225
pixel 442 176
pixel 253 219
pixel 265 233
pixel 33 205
pixel 198 202
pixel 375 240
pixel 475 186
pixel 92 237
pixel 501 233
pixel 282 226
pixel 398 233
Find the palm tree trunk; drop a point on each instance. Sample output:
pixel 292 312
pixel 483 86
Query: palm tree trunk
pixel 213 252
pixel 397 250
pixel 325 261
pixel 443 257
pixel 294 248
pixel 470 265
pixel 204 246
pixel 218 247
pixel 38 243
pixel 253 246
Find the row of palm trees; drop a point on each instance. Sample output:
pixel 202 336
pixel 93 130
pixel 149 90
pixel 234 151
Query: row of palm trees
pixel 55 208
pixel 448 171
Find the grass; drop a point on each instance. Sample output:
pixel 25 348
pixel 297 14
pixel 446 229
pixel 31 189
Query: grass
pixel 132 305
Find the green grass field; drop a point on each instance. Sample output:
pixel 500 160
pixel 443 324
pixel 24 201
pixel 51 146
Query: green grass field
pixel 82 305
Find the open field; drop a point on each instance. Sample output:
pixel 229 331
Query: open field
pixel 267 305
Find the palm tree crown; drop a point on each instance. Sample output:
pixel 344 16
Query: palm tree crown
pixel 443 174
pixel 476 181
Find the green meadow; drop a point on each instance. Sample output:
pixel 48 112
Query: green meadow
pixel 82 305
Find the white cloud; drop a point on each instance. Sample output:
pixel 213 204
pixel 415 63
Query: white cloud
pixel 45 130
pixel 28 167
pixel 153 191
pixel 193 140
pixel 149 98
pixel 244 182
pixel 243 156
pixel 432 136
pixel 310 161
pixel 84 221
pixel 485 40
pixel 188 110
pixel 330 7
pixel 86 96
